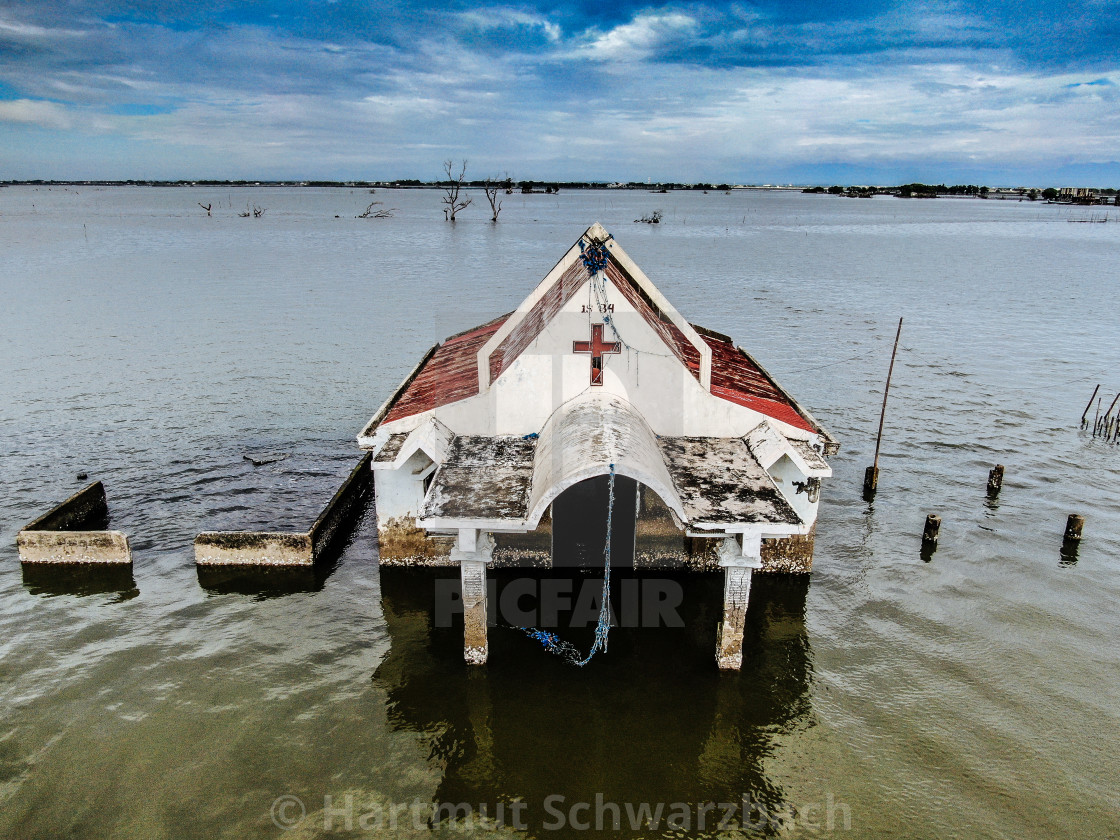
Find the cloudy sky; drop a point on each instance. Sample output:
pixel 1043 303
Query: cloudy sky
pixel 816 91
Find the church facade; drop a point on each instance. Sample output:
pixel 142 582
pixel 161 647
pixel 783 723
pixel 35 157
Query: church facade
pixel 495 450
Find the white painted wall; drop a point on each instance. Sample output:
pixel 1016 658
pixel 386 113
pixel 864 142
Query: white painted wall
pixel 785 473
pixel 400 492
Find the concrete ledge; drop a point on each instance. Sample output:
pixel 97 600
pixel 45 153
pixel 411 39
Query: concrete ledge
pixel 255 548
pixel 270 548
pixel 73 547
pixel 69 533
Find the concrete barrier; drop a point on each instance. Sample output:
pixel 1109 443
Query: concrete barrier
pixel 270 548
pixel 74 532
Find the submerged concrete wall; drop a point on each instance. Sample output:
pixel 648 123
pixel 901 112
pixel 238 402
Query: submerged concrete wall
pixel 74 532
pixel 343 507
pixel 252 548
pixel 271 548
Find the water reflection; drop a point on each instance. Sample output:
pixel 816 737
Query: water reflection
pixel 651 721
pixel 1068 554
pixel 81 580
pixel 264 582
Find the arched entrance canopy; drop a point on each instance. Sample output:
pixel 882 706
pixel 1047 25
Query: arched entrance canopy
pixel 583 438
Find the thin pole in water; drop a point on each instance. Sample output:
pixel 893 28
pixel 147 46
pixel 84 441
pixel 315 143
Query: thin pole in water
pixel 871 479
pixel 1108 413
pixel 1085 413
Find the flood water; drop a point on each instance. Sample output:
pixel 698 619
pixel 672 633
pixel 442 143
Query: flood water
pixel 152 347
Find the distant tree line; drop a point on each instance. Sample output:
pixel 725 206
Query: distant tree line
pixel 917 190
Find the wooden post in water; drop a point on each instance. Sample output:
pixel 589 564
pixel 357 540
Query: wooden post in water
pixel 1107 421
pixel 995 480
pixel 1085 413
pixel 1073 528
pixel 871 476
pixel 932 531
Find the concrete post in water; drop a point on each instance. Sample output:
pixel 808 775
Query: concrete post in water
pixel 995 480
pixel 473 553
pixel 932 530
pixel 870 480
pixel 738 566
pixel 1073 528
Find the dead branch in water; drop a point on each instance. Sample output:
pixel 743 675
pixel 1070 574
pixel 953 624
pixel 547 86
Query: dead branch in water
pixel 383 213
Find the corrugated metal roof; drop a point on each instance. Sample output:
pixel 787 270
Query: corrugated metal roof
pixel 450 375
pixel 735 375
pixel 537 319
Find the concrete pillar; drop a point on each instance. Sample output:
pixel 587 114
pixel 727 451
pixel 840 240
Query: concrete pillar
pixel 738 565
pixel 473 553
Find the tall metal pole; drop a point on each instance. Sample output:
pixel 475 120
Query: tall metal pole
pixel 871 478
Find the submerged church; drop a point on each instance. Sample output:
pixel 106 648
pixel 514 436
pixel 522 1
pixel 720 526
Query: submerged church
pixel 498 448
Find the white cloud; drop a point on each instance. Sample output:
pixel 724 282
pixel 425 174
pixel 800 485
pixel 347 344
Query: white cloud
pixel 500 17
pixel 638 39
pixel 35 112
pixel 25 31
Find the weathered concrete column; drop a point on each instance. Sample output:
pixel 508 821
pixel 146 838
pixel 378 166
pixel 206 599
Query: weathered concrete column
pixel 473 553
pixel 738 566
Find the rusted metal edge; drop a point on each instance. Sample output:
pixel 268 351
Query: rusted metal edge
pixel 95 487
pixel 375 421
pixel 832 445
pixel 705 332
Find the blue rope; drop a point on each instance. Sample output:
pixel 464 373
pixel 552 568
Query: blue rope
pixel 553 643
pixel 594 255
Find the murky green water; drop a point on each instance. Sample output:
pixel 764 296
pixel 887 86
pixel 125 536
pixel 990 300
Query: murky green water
pixel 152 347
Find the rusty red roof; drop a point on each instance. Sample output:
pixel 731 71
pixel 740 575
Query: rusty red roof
pixel 543 311
pixel 736 377
pixel 451 373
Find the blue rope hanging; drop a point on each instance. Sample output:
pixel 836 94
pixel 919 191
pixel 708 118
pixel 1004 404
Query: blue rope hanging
pixel 594 255
pixel 553 643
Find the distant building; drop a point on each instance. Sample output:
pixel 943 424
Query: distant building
pixel 1079 195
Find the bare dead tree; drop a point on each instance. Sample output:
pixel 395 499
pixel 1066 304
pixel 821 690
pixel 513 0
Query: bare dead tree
pixel 492 188
pixel 383 213
pixel 451 191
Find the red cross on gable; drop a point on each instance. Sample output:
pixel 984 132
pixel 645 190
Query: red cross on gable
pixel 596 347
